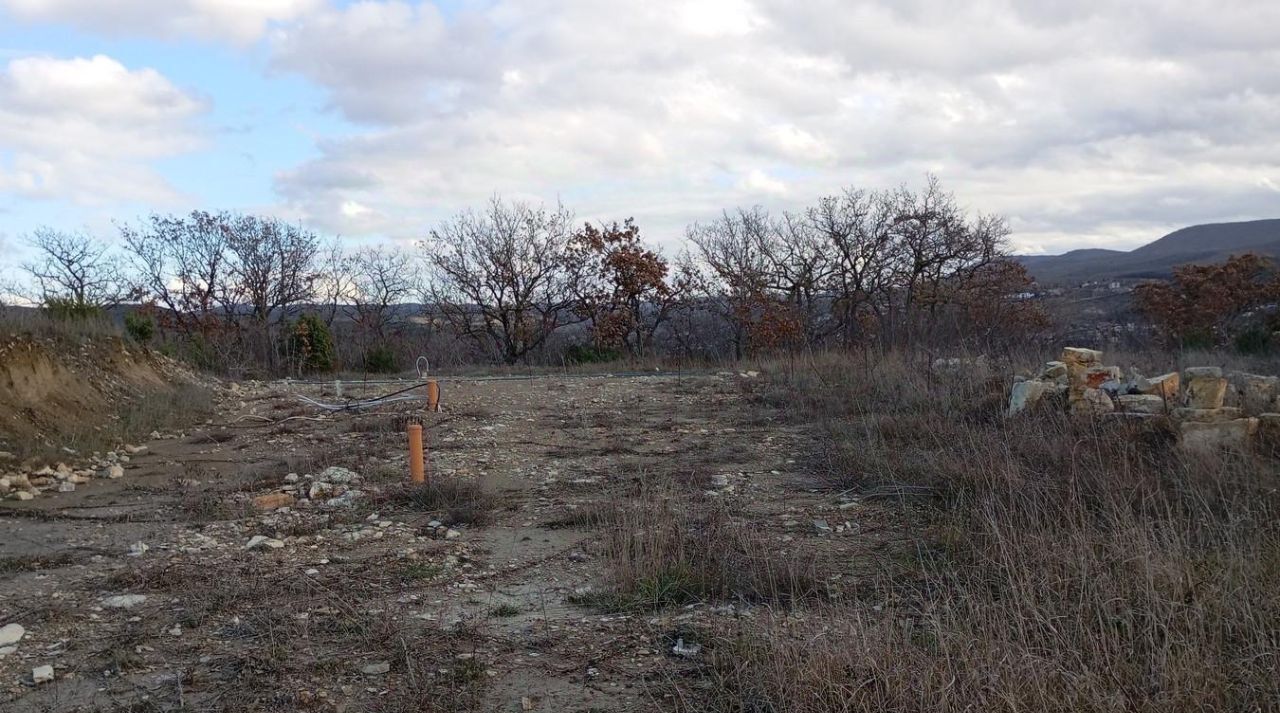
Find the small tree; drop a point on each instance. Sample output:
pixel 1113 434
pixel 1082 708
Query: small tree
pixel 621 286
pixel 311 345
pixel 501 277
pixel 73 273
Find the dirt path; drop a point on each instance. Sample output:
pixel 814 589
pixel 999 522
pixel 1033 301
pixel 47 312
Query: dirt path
pixel 369 606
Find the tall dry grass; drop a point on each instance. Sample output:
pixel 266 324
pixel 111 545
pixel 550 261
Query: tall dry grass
pixel 1061 565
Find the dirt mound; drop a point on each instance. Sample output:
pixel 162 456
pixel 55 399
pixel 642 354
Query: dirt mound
pixel 84 396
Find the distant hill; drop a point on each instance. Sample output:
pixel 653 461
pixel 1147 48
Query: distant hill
pixel 1208 243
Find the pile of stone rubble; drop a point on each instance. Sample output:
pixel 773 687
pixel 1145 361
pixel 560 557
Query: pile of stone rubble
pixel 23 483
pixel 1209 408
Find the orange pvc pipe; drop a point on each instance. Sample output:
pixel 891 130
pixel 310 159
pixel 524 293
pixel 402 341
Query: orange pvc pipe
pixel 433 395
pixel 417 469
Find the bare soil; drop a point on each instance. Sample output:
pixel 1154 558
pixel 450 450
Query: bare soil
pixel 492 610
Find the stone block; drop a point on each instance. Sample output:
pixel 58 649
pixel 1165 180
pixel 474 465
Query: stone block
pixel 1142 403
pixel 1078 355
pixel 1205 392
pixel 1096 376
pixel 1165 385
pixel 1093 402
pixel 1026 394
pixel 272 501
pixel 1054 370
pixel 1252 392
pixel 1207 415
pixel 1209 437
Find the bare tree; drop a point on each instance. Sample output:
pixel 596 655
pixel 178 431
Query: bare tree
pixel 501 278
pixel 182 264
pixel 74 269
pixel 739 279
pixel 382 278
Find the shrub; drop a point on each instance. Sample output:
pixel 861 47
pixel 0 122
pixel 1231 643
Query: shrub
pixel 311 344
pixel 66 310
pixel 140 326
pixel 381 360
pixel 1253 341
pixel 590 354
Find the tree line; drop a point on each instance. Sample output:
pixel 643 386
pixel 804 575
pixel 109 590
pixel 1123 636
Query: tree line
pixel 512 282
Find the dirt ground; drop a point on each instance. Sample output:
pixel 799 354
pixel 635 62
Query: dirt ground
pixel 378 604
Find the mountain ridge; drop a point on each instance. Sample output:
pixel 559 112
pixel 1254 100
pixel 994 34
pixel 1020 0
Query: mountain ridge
pixel 1205 243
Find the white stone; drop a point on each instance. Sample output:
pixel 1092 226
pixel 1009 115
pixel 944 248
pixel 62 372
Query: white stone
pixel 1026 394
pixel 11 634
pixel 452 534
pixel 260 542
pixel 41 674
pixel 138 549
pixel 66 487
pixel 337 474
pixel 22 495
pixel 124 601
pixel 113 472
pixel 376 669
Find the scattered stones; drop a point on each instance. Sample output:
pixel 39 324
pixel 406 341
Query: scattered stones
pixel 11 634
pixel 124 601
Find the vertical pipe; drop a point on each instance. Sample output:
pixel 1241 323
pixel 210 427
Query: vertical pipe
pixel 417 472
pixel 433 395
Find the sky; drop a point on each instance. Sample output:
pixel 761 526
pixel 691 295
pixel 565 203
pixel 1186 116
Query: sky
pixel 1087 123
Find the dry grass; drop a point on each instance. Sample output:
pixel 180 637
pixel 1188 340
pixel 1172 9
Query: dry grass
pixel 1062 565
pixel 456 501
pixel 664 548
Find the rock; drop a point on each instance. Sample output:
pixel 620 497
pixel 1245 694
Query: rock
pixel 1096 376
pixel 1207 415
pixel 112 472
pixel 1093 402
pixel 136 450
pixel 124 601
pixel 336 474
pixel 319 489
pixel 685 650
pixel 291 478
pixel 66 486
pixel 346 500
pixel 11 634
pixel 7 456
pixel 1252 392
pixel 272 501
pixel 21 495
pixel 821 526
pixel 1026 394
pixel 1208 437
pixel 1079 355
pixel 262 542
pixel 138 549
pixel 1205 387
pixel 1054 370
pixel 376 669
pixel 1202 372
pixel 7 650
pixel 1165 386
pixel 1142 403
pixel 452 534
pixel 42 674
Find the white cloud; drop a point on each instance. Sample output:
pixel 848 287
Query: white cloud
pixel 235 20
pixel 1080 122
pixel 86 129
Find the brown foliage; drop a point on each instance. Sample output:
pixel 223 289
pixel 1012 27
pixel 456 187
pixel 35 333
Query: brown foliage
pixel 1203 301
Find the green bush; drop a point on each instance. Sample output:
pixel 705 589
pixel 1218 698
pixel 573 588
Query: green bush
pixel 311 344
pixel 381 360
pixel 1255 340
pixel 590 354
pixel 140 326
pixel 65 309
